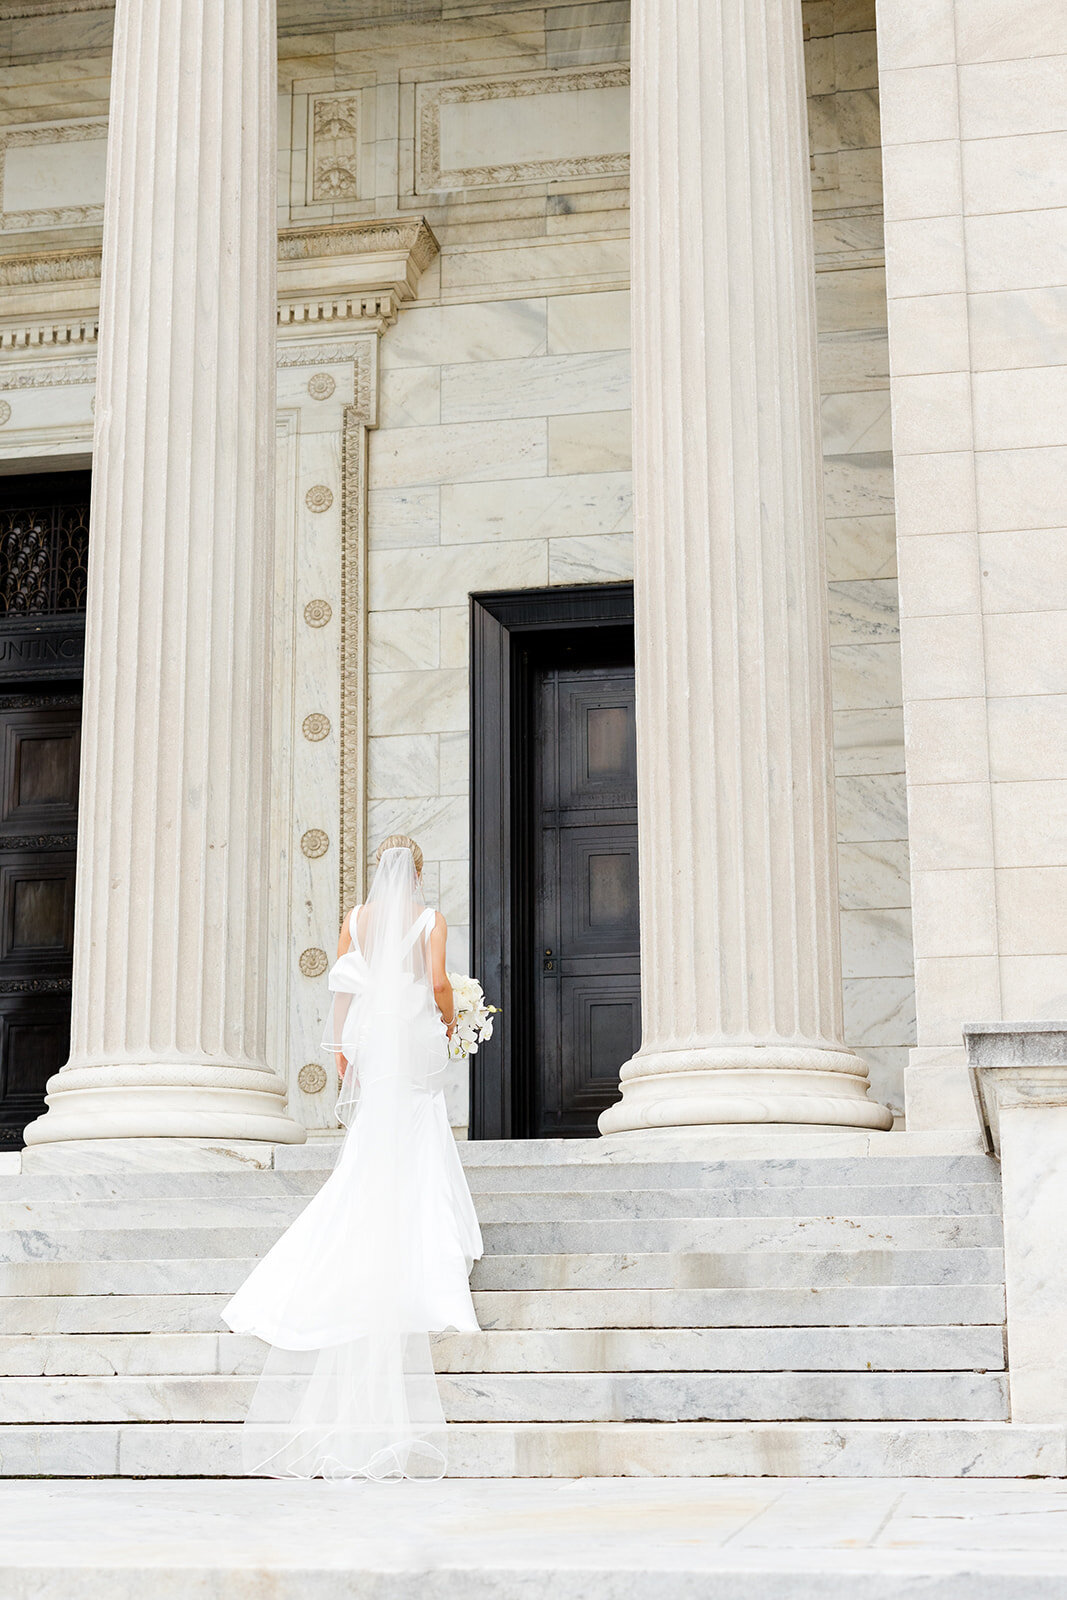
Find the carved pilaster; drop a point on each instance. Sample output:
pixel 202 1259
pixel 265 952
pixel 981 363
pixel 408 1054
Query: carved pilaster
pixel 358 418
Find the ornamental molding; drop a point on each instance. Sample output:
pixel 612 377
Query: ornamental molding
pixel 50 266
pixel 359 418
pixel 381 309
pixel 14 10
pixel 334 136
pixel 312 1077
pixel 88 129
pixel 353 656
pixel 294 16
pixel 390 236
pixel 35 985
pixel 38 841
pixel 433 175
pixel 56 335
pixel 352 271
pixel 53 375
pixel 360 272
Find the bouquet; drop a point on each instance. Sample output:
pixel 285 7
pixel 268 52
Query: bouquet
pixel 474 1016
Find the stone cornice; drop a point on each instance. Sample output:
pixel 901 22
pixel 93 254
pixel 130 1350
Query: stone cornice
pixel 351 271
pixel 377 236
pixel 345 270
pixel 294 16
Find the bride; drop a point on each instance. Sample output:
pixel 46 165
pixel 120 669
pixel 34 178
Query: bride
pixel 381 1256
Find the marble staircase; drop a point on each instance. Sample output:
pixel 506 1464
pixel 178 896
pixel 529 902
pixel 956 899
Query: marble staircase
pixel 792 1315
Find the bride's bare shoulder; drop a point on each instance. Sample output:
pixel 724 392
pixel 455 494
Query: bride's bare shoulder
pixel 344 940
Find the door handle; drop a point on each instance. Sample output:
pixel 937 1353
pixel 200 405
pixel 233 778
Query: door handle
pixel 549 964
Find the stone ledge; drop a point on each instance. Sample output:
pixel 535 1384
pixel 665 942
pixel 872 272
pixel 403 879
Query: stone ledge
pixel 362 270
pixel 1014 1065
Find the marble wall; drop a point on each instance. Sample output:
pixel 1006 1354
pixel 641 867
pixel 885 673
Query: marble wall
pixel 975 134
pixel 501 454
pixel 502 460
pixel 879 991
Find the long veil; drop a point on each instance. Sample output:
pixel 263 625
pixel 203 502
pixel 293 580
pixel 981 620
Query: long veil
pixel 349 1294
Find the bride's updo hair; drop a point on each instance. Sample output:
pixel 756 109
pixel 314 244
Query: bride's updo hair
pixel 400 841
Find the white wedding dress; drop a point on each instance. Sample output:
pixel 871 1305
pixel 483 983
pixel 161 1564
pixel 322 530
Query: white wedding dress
pixel 381 1256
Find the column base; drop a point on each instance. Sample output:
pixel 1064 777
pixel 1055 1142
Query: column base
pixel 739 1084
pixel 187 1100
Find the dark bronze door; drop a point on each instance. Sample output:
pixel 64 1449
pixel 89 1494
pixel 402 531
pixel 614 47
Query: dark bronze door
pixel 584 818
pixel 43 552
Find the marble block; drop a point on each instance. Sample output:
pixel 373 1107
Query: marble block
pixel 1019 1071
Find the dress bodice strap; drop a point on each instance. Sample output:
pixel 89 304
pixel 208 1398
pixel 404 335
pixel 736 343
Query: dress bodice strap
pixel 423 925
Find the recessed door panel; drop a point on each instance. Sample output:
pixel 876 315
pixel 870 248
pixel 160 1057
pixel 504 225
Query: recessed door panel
pixel 44 522
pixel 585 847
pixel 39 777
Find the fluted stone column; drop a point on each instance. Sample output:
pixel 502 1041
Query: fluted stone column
pixel 171 910
pixel 740 959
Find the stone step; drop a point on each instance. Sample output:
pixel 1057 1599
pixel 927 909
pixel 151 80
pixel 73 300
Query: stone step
pixel 277 1209
pixel 796 1269
pixel 767 1200
pixel 850 1349
pixel 805 1152
pixel 787 1269
pixel 579 1450
pixel 549 1397
pixel 844 1305
pixel 630 1235
pixel 753 1172
pixel 950 1175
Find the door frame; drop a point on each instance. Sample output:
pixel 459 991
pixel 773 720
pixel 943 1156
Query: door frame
pixel 502 622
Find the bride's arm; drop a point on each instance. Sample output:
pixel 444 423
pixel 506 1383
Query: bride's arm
pixel 344 943
pixel 442 989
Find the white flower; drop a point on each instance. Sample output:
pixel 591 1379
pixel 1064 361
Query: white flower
pixel 473 1015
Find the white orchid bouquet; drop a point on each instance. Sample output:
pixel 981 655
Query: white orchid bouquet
pixel 474 1016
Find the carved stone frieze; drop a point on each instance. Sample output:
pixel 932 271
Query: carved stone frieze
pixel 303 357
pixel 435 173
pixel 51 375
pixel 49 266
